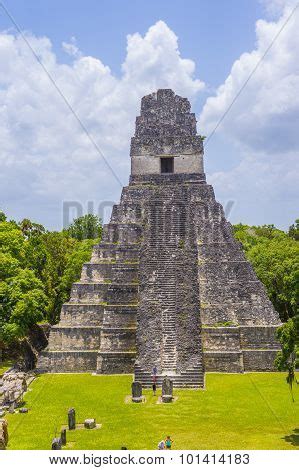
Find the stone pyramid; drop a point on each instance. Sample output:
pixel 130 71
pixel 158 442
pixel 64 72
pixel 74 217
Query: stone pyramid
pixel 168 286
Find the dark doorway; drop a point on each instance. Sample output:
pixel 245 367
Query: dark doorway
pixel 167 165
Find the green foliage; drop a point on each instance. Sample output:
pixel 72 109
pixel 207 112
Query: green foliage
pixel 287 338
pixel 294 230
pixel 80 254
pixel 288 358
pixel 274 255
pixel 224 323
pixel 4 366
pixel 31 229
pixel 37 269
pixel 181 243
pixel 275 258
pixel 12 240
pixel 88 226
pixel 10 332
pixel 8 265
pixel 23 303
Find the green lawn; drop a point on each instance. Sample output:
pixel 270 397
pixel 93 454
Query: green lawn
pixel 4 366
pixel 250 411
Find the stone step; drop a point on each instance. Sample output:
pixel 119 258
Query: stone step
pixel 177 382
pixel 117 293
pixel 120 273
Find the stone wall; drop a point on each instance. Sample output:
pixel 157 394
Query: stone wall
pixel 67 361
pixel 239 349
pixel 75 314
pixel 151 165
pixel 75 338
pixel 116 363
pixel 258 337
pixel 263 360
pixel 223 361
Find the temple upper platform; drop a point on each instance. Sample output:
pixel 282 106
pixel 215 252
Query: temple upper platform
pixel 166 142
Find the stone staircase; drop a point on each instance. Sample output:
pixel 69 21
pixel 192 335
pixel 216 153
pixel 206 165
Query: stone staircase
pixel 161 251
pixel 192 377
pixel 165 274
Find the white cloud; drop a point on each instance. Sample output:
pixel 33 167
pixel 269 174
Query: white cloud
pixel 276 7
pixel 263 122
pixel 45 155
pixel 71 48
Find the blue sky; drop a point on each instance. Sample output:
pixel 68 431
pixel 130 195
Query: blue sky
pixel 213 33
pixel 48 160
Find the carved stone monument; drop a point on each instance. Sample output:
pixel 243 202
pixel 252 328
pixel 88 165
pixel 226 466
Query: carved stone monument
pixel 63 436
pixel 167 390
pixel 71 419
pixel 136 392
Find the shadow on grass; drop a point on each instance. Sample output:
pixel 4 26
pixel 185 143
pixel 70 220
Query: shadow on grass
pixel 293 439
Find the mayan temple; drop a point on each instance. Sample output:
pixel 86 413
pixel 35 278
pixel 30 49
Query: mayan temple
pixel 168 286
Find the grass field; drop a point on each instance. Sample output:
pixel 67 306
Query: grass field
pixel 250 411
pixel 4 366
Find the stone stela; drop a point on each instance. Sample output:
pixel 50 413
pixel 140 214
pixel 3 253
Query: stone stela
pixel 63 436
pixel 71 416
pixel 167 390
pixel 136 392
pixel 168 285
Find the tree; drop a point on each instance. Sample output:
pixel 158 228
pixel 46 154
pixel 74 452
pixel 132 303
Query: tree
pixel 276 263
pixel 30 229
pixel 88 226
pixel 23 303
pixel 294 230
pixel 274 256
pixel 8 265
pixel 37 269
pixel 12 240
pixel 77 258
pixel 57 260
pixel 58 247
pixel 288 358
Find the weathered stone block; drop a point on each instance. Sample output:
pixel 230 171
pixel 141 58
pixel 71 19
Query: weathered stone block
pixel 71 416
pixel 23 410
pixel 136 392
pixel 56 443
pixel 167 386
pixel 90 423
pixel 63 436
